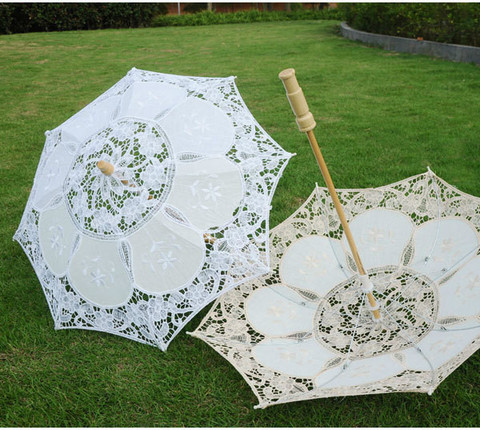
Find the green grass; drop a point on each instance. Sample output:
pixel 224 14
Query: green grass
pixel 381 117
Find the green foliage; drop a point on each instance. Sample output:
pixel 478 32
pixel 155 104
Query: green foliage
pixel 5 18
pixel 32 17
pixel 194 7
pixel 254 15
pixel 296 6
pixel 441 22
pixel 37 17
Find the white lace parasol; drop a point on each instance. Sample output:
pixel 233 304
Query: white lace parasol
pixel 306 330
pixel 371 291
pixel 150 202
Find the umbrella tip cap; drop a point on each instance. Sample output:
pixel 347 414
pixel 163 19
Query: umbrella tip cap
pixel 105 167
pixel 286 74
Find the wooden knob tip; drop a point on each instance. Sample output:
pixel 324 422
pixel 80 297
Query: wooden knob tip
pixel 286 74
pixel 305 120
pixel 208 238
pixel 105 167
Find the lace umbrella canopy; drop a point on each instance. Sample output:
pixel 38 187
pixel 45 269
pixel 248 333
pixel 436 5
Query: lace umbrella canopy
pixel 305 330
pixel 150 202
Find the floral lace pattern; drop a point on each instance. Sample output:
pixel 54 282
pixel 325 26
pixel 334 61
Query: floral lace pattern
pixel 183 217
pixel 306 331
pixel 102 204
pixel 343 312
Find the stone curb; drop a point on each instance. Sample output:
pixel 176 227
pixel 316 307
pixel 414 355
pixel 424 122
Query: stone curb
pixel 447 51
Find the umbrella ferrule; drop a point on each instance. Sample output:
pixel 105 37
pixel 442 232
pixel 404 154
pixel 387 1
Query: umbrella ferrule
pixel 365 284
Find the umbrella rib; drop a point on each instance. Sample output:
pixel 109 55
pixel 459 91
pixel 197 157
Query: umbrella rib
pixel 439 213
pixel 441 327
pixel 325 221
pixel 418 349
pixel 226 341
pixel 222 340
pixel 305 303
pixel 443 274
pixel 438 227
pixel 412 311
pixel 364 296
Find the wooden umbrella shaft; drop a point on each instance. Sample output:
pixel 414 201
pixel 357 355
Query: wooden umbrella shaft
pixel 343 220
pixel 336 201
pixel 306 123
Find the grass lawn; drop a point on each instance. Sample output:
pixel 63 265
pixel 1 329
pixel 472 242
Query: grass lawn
pixel 382 117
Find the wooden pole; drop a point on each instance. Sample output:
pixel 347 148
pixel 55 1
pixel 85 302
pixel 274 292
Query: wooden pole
pixel 306 123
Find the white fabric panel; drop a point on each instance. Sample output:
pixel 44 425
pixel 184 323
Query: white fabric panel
pixel 198 126
pixel 440 346
pixel 360 372
pixel 311 263
pixel 150 99
pixel 291 357
pixel 50 183
pixel 381 236
pixel 278 311
pixel 57 234
pixel 207 191
pixel 165 255
pixel 446 242
pixel 460 295
pixel 98 273
pixel 90 120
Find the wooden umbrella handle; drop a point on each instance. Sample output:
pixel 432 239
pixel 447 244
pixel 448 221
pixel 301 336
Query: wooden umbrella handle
pixel 306 123
pixel 305 120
